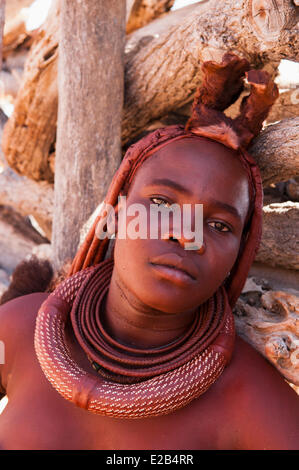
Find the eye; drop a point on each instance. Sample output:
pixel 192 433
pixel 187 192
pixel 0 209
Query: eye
pixel 160 201
pixel 220 226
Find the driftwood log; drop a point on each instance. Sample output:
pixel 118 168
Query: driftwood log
pixel 17 238
pixel 269 322
pixel 143 12
pixel 15 32
pixel 162 70
pixel 28 197
pixel 31 130
pixel 280 241
pixel 287 106
pixel 12 8
pixel 292 189
pixel 276 151
pixel 2 18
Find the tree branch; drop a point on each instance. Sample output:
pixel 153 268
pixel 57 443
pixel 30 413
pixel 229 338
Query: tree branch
pixel 276 151
pixel 28 198
pixel 144 11
pixel 279 245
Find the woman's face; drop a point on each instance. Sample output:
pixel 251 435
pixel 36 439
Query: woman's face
pixel 160 272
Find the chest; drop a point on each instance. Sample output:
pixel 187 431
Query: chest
pixel 39 418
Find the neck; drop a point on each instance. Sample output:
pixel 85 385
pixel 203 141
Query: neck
pixel 132 323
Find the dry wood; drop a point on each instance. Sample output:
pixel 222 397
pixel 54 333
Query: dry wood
pixel 16 35
pixel 287 106
pixel 13 7
pixel 2 18
pixel 31 131
pixel 28 198
pixel 144 11
pixel 16 60
pixel 271 326
pixel 89 118
pixel 9 83
pixel 162 71
pixel 276 151
pixel 17 238
pixel 280 243
pixel 14 32
pixel 292 189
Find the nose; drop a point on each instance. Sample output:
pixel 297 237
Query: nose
pixel 185 243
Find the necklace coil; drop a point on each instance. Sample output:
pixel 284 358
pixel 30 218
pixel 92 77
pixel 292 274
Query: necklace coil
pixel 132 383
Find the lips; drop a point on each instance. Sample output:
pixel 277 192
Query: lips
pixel 178 262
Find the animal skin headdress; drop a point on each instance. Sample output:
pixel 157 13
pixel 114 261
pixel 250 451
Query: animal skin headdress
pixel 222 84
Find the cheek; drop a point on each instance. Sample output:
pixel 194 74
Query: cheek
pixel 222 254
pixel 129 256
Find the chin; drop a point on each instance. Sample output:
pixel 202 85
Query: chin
pixel 168 298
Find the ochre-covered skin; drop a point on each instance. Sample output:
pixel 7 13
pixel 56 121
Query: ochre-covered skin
pixel 249 406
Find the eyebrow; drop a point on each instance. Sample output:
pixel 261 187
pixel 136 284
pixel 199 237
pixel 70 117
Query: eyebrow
pixel 223 205
pixel 176 186
pixel 171 184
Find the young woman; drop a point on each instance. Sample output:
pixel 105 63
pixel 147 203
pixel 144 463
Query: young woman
pixel 137 350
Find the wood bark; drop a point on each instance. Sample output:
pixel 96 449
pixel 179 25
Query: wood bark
pixel 280 244
pixel 88 152
pixel 28 198
pixel 30 133
pixel 287 106
pixel 15 32
pixel 162 71
pixel 2 20
pixel 13 7
pixel 144 11
pixel 292 189
pixel 16 35
pixel 17 238
pixel 9 83
pixel 276 151
pixel 271 327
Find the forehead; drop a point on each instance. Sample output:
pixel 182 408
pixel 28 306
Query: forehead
pixel 205 167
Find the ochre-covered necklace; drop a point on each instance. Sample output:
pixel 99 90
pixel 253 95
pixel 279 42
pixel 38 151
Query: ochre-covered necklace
pixel 132 383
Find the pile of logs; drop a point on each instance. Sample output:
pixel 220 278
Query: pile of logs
pixel 268 320
pixel 163 54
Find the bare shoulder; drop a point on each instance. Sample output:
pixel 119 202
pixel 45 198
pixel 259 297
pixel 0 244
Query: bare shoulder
pixel 265 409
pixel 17 323
pixel 17 315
